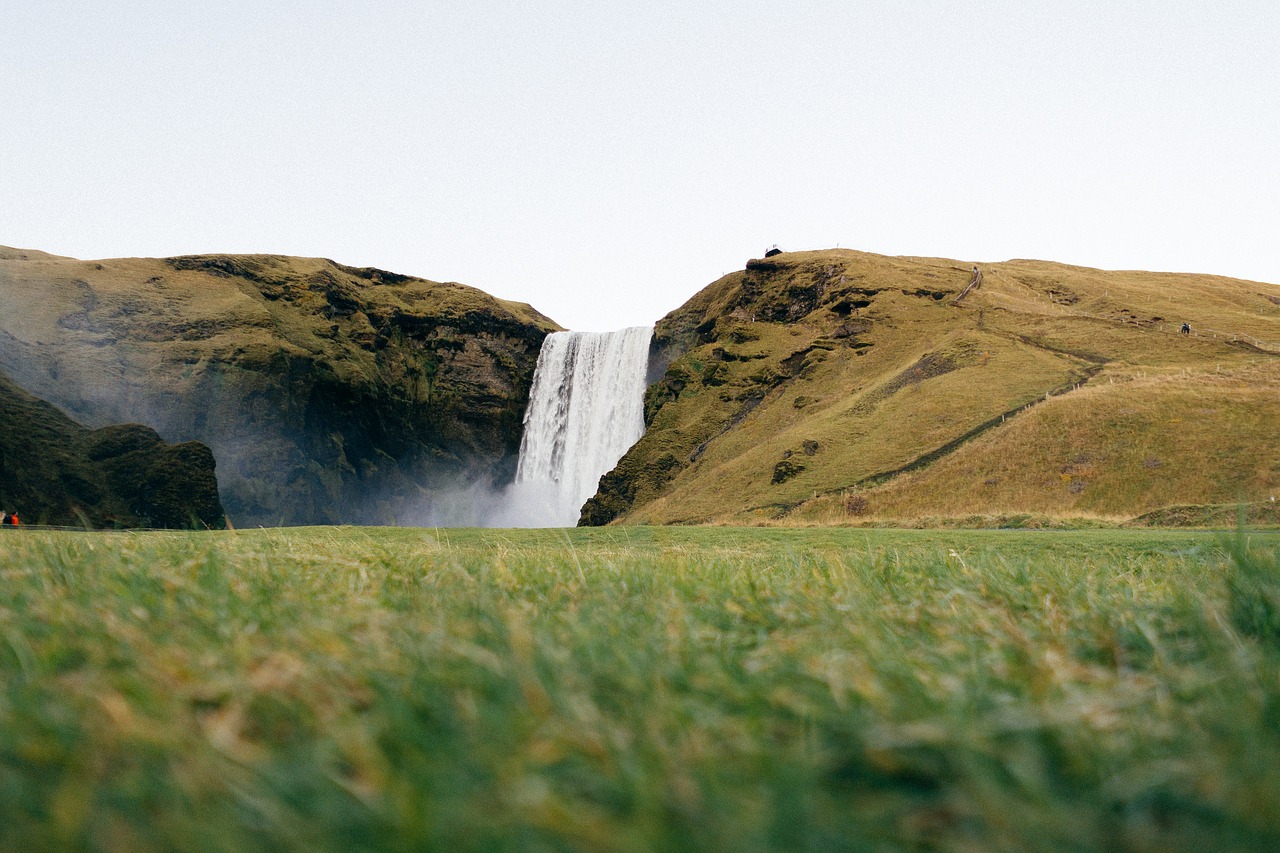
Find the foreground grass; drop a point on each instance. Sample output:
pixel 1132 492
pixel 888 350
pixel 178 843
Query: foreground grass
pixel 638 689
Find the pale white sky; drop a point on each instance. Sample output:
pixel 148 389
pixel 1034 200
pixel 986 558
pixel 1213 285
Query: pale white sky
pixel 603 161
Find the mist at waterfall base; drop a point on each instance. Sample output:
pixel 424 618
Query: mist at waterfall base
pixel 586 409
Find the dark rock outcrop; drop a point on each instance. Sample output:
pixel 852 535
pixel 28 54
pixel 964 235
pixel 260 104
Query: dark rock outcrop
pixel 56 471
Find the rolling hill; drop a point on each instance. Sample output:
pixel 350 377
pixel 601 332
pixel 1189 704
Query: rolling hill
pixel 846 387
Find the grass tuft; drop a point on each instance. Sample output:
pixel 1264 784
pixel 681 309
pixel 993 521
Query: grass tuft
pixel 1253 588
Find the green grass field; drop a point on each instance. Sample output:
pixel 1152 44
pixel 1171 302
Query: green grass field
pixel 639 689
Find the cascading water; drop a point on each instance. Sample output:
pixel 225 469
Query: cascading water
pixel 586 409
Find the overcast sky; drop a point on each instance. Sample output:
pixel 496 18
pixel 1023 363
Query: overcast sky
pixel 604 161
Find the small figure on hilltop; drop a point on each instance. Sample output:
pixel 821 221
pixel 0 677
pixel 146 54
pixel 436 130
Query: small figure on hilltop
pixel 1186 328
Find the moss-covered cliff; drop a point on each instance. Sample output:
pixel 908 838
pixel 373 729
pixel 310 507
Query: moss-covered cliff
pixel 56 471
pixel 327 393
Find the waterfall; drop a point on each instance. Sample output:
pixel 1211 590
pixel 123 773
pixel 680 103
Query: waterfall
pixel 586 409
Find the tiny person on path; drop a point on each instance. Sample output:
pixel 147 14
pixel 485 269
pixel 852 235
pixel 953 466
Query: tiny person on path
pixel 1186 328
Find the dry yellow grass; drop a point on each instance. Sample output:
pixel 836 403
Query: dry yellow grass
pixel 1103 451
pixel 817 373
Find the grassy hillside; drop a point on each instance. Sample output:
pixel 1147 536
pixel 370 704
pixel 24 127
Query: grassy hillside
pixel 843 386
pixel 638 689
pixel 326 392
pixel 55 471
pixel 1111 450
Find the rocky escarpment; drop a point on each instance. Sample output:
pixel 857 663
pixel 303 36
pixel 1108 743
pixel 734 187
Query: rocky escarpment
pixel 56 471
pixel 724 351
pixel 328 393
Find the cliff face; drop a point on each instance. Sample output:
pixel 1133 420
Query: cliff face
pixel 327 393
pixel 55 471
pixel 841 386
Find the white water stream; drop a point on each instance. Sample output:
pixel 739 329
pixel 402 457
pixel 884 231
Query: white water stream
pixel 586 409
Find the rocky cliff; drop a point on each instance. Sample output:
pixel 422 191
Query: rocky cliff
pixel 327 393
pixel 56 471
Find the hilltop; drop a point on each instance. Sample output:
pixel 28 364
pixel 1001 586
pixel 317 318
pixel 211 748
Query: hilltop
pixel 328 393
pixel 847 387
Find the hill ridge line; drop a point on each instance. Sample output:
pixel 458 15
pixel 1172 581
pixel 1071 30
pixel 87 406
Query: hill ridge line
pixel 1242 339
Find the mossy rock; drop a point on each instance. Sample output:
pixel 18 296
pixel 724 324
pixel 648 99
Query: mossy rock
pixel 56 471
